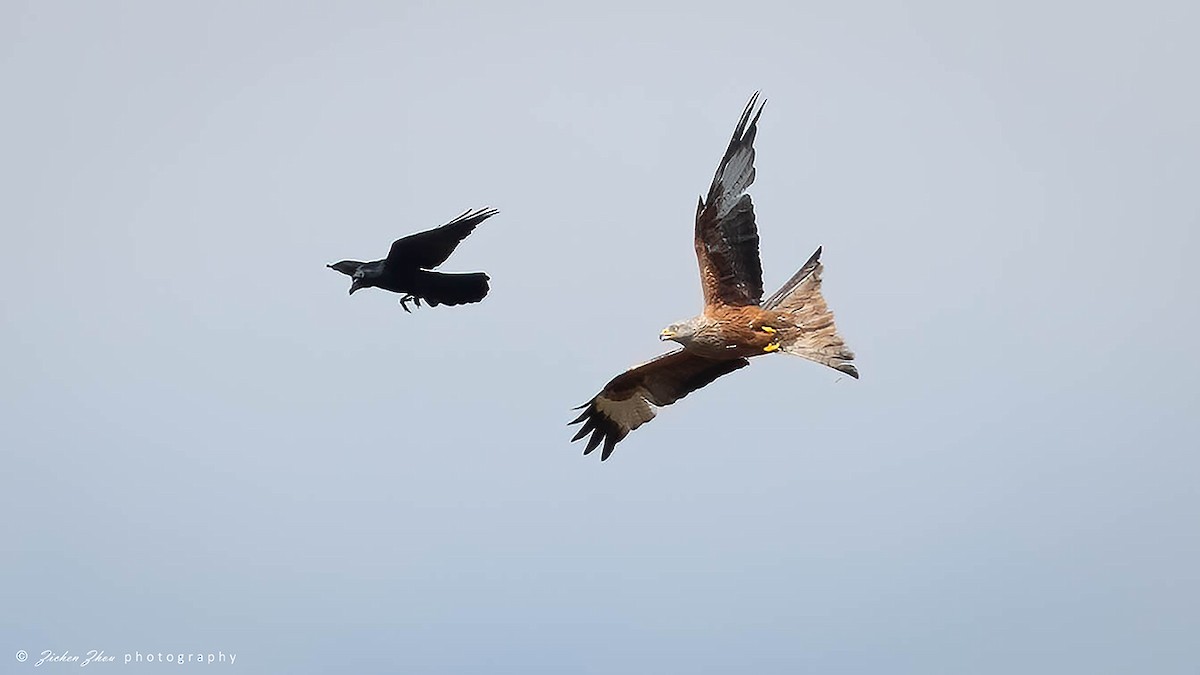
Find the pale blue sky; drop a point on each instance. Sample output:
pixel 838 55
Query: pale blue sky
pixel 209 446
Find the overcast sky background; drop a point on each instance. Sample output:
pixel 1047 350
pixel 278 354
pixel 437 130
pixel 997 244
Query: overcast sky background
pixel 208 446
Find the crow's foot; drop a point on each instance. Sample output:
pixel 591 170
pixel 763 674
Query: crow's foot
pixel 405 300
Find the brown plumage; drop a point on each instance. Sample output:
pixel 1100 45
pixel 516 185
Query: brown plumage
pixel 736 323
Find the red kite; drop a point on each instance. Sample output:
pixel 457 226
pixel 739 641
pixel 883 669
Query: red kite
pixel 736 323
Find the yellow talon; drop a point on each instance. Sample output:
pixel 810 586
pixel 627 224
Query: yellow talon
pixel 768 329
pixel 773 347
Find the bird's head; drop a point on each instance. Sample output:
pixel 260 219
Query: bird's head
pixel 681 331
pixel 347 267
pixel 362 275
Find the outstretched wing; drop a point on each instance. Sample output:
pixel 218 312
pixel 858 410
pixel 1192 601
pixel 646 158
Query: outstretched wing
pixel 726 236
pixel 628 401
pixel 431 248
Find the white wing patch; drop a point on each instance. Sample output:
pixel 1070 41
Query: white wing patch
pixel 736 176
pixel 629 414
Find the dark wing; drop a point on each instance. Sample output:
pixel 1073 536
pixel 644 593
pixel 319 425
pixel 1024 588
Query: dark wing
pixel 428 249
pixel 726 237
pixel 440 288
pixel 628 401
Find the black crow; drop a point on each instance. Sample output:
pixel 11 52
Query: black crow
pixel 406 269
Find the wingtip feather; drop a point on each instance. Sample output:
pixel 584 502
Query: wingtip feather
pixel 594 441
pixel 583 431
pixel 610 444
pixel 582 416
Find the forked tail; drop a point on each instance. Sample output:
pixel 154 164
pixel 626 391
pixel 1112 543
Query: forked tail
pixel 815 335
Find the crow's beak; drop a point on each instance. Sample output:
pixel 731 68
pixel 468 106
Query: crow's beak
pixel 355 285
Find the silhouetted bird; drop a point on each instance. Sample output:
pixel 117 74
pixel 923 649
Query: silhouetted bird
pixel 407 267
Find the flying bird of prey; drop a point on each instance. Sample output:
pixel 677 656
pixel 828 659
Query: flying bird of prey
pixel 736 323
pixel 408 266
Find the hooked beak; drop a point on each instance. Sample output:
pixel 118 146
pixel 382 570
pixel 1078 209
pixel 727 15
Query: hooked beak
pixel 666 334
